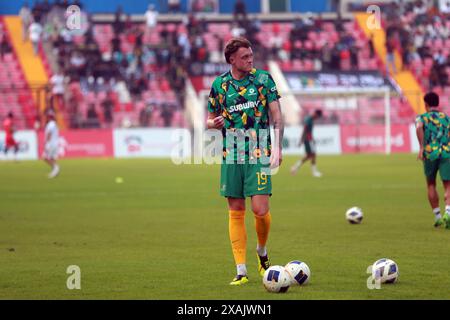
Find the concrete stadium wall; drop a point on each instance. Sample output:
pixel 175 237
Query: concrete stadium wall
pixel 310 6
pixel 140 6
pixel 253 6
pixel 97 6
pixel 28 145
pixel 170 142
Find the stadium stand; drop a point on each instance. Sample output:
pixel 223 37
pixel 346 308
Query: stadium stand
pixel 124 72
pixel 421 34
pixel 116 73
pixel 19 99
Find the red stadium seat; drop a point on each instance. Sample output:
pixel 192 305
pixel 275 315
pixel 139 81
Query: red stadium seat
pixel 128 107
pixel 297 65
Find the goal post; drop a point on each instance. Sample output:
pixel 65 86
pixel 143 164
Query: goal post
pixel 358 106
pixel 353 106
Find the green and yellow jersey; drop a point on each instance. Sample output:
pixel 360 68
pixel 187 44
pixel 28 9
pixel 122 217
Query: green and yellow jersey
pixel 308 125
pixel 244 105
pixel 436 142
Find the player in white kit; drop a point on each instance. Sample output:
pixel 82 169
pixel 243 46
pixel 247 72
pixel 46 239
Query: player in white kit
pixel 51 145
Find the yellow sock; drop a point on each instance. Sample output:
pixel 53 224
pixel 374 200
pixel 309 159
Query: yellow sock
pixel 238 235
pixel 262 226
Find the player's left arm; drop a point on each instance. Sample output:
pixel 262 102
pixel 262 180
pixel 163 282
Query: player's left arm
pixel 215 119
pixel 47 134
pixel 278 126
pixel 419 133
pixel 303 137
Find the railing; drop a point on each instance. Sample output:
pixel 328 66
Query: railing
pixel 28 103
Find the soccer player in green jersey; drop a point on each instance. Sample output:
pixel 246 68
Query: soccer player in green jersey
pixel 433 134
pixel 241 103
pixel 310 146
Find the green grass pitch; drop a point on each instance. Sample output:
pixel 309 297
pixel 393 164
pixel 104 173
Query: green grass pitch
pixel 163 232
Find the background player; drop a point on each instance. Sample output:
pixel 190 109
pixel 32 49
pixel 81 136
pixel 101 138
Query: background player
pixel 51 145
pixel 241 101
pixel 433 130
pixel 10 142
pixel 310 146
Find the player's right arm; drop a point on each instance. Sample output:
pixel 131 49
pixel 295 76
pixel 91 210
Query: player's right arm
pixel 215 119
pixel 419 133
pixel 48 132
pixel 9 128
pixel 47 136
pixel 303 136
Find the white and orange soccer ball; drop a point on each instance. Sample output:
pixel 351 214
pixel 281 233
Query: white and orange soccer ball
pixel 385 271
pixel 276 279
pixel 298 271
pixel 354 215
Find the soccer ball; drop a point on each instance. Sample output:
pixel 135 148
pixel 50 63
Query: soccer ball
pixel 385 271
pixel 354 215
pixel 276 279
pixel 298 271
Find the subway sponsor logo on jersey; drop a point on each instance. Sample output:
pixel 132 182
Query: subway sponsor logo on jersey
pixel 244 106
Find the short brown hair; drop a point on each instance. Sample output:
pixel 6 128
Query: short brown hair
pixel 432 99
pixel 233 45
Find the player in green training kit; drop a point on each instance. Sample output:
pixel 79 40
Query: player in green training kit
pixel 433 134
pixel 241 103
pixel 310 146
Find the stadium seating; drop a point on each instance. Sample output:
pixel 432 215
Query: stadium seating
pixel 162 64
pixel 15 94
pixel 126 111
pixel 431 73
